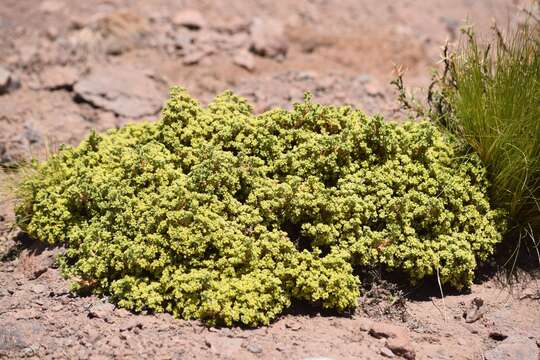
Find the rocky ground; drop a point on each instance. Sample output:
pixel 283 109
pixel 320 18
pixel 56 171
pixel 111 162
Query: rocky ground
pixel 69 67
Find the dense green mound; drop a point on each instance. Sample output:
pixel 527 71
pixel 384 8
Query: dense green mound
pixel 221 215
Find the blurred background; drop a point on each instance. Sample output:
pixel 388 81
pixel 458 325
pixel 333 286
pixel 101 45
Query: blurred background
pixel 69 66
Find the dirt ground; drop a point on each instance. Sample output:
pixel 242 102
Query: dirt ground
pixel 67 67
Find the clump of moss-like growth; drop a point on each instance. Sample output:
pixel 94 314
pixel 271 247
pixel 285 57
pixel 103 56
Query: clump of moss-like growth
pixel 217 214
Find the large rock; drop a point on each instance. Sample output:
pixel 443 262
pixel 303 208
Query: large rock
pixel 268 38
pixel 124 90
pixel 518 347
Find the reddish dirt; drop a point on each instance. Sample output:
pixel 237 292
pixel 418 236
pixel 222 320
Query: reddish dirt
pixel 77 66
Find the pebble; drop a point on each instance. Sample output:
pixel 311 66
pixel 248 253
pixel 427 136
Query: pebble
pixel 52 33
pixel 386 352
pixel 254 348
pixel 28 352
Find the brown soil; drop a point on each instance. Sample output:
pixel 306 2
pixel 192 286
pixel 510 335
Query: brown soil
pixel 75 66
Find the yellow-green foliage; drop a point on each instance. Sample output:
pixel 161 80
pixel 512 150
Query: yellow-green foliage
pixel 217 214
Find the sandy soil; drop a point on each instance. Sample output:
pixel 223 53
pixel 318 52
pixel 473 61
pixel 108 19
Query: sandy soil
pixel 68 67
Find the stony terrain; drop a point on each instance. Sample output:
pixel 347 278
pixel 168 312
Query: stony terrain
pixel 68 67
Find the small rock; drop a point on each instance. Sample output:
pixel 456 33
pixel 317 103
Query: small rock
pixel 27 54
pixel 8 82
pixel 374 89
pixel 381 330
pixel 101 311
pixel 497 335
pixel 52 33
pixel 51 6
pixel 530 293
pixel 113 32
pixel 115 342
pixel 11 338
pixel 268 38
pixel 452 26
pixel 57 308
pixel 39 289
pixel 386 352
pixel 364 78
pixel 365 324
pixel 402 346
pixel 397 339
pixel 93 335
pixel 28 352
pixel 124 90
pixel 475 310
pixel 244 59
pixel 57 77
pixel 183 41
pixel 115 46
pixel 233 25
pixel 254 348
pixel 36 265
pixel 123 313
pixel 191 19
pixel 195 57
pixel 224 347
pixel 5 78
pixel 132 324
pixel 293 326
pixel 34 136
pixel 518 347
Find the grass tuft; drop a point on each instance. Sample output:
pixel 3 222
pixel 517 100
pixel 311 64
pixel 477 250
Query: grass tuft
pixel 489 97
